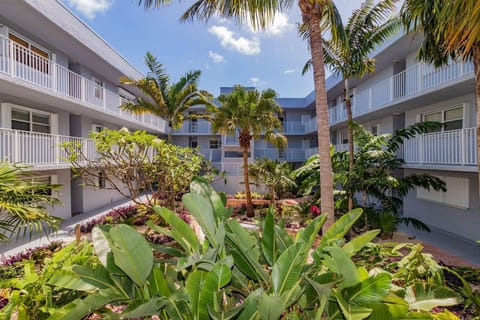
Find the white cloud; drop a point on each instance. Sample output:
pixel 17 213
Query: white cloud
pixel 90 7
pixel 257 82
pixel 216 57
pixel 279 25
pixel 289 71
pixel 240 44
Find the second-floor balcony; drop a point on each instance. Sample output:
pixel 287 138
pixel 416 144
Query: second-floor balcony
pixel 195 127
pixel 413 81
pixel 18 62
pixel 453 149
pixel 40 149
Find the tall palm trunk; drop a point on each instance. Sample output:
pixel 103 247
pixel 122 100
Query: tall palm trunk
pixel 170 129
pixel 348 106
pixel 248 194
pixel 476 64
pixel 311 15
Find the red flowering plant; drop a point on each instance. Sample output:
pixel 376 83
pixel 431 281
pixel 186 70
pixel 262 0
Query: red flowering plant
pixel 314 210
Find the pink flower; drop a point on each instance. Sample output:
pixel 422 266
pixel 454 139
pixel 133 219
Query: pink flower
pixel 314 210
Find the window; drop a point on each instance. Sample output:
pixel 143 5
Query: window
pixel 98 87
pixel 27 120
pixel 281 153
pixel 215 143
pixel 457 194
pixel 452 119
pixel 125 96
pixel 43 180
pixel 193 142
pixel 101 180
pixel 29 54
pixel 97 127
pixel 374 130
pixel 344 137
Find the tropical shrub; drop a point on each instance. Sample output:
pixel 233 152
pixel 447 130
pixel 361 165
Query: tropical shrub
pixel 374 180
pixel 223 272
pixel 24 202
pixel 136 164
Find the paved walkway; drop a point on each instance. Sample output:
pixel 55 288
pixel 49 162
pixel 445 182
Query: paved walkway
pixel 454 245
pixel 65 233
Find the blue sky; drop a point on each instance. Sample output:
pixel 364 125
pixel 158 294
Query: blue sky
pixel 225 53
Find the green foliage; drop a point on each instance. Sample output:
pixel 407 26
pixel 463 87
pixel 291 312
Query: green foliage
pixel 24 202
pixel 132 163
pixel 374 176
pixel 230 274
pixel 168 100
pixel 34 295
pixel 274 175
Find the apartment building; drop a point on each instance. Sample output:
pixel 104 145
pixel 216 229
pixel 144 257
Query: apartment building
pixel 58 82
pixel 401 92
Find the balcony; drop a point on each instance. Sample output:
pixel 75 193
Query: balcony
pixel 289 154
pixel 454 147
pixel 22 63
pixel 39 149
pixel 196 127
pixel 408 83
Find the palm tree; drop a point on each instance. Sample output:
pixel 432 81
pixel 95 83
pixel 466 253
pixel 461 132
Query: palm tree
pixel 317 16
pixel 251 115
pixel 169 101
pixel 348 54
pixel 23 203
pixel 275 175
pixel 451 30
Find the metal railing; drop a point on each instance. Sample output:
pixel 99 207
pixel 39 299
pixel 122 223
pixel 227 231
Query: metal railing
pixel 407 83
pixel 22 63
pixel 453 147
pixel 34 148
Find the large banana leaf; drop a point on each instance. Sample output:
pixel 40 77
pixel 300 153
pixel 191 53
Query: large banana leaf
pixel 339 262
pixel 425 297
pixel 147 308
pixel 287 270
pixel 391 307
pixel 202 211
pixel 337 231
pixel 158 283
pixel 193 287
pixel 270 307
pixel 309 234
pixel 202 187
pixel 269 246
pixel 80 308
pixel 250 306
pixel 351 311
pixel 219 277
pixel 244 251
pixel 370 290
pixel 83 278
pixel 101 239
pixel 283 239
pixel 180 230
pixel 131 253
pixel 357 243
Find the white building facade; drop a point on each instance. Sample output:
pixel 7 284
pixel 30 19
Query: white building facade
pixel 58 82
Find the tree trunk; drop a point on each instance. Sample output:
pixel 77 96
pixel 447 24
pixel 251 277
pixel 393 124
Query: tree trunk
pixel 311 15
pixel 246 179
pixel 170 129
pixel 476 64
pixel 348 106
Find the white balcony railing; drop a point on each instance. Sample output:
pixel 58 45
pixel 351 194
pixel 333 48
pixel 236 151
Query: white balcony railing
pixel 405 84
pixel 22 63
pixel 453 147
pixel 34 148
pixel 288 154
pixel 198 127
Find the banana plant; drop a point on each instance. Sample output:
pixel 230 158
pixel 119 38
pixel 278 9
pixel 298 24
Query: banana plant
pixel 230 273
